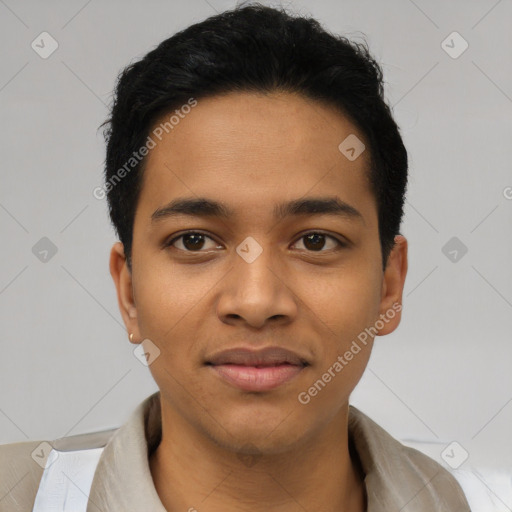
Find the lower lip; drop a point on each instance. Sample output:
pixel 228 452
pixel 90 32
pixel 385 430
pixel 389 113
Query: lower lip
pixel 250 378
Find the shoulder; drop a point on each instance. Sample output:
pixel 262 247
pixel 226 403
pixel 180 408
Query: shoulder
pixel 22 466
pixel 439 478
pixel 403 474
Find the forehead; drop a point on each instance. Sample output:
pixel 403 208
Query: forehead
pixel 251 151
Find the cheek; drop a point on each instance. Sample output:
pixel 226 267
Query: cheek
pixel 166 297
pixel 331 387
pixel 341 304
pixel 350 307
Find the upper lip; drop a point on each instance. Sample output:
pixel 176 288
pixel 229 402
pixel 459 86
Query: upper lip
pixel 269 356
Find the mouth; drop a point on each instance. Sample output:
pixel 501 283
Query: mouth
pixel 257 370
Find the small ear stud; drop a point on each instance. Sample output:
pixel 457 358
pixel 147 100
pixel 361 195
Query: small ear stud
pixel 131 336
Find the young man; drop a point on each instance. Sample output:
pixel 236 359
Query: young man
pixel 256 180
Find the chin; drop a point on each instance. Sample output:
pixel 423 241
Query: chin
pixel 260 431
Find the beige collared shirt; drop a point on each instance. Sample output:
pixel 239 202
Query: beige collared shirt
pixel 398 478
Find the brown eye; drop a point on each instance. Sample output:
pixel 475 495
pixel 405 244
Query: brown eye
pixel 191 242
pixel 316 241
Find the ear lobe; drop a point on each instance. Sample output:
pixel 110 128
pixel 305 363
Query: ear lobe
pixel 392 287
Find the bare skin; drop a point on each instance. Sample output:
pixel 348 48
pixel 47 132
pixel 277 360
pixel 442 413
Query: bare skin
pixel 196 297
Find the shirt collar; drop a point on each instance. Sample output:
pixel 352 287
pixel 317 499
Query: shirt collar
pixel 400 478
pixel 123 479
pixel 397 478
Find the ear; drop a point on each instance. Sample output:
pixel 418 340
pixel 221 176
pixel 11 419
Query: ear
pixel 123 280
pixel 392 287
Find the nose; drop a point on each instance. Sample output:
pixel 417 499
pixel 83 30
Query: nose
pixel 256 293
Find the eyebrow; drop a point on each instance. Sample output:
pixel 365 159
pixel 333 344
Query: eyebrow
pixel 203 207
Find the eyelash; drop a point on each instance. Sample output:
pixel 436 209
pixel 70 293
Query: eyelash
pixel 341 244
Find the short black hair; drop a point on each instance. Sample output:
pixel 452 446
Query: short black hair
pixel 253 49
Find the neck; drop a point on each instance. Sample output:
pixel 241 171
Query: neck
pixel 192 472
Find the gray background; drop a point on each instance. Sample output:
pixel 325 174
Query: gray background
pixel 66 365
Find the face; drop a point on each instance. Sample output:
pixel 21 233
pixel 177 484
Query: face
pixel 279 264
